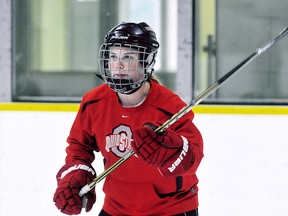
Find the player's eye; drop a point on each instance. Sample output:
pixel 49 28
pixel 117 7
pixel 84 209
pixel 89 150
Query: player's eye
pixel 113 57
pixel 128 58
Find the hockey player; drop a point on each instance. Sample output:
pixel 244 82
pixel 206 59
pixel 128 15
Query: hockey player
pixel 121 115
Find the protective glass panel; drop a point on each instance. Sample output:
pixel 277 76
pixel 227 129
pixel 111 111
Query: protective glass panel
pixel 227 32
pixel 56 43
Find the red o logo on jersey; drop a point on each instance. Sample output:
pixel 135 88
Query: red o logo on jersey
pixel 119 142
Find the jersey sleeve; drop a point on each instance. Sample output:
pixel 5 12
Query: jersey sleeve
pixel 81 141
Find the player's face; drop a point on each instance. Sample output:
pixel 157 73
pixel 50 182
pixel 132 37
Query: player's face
pixel 124 64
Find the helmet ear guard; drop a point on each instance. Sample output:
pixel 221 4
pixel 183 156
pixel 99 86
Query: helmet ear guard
pixel 138 38
pixel 151 62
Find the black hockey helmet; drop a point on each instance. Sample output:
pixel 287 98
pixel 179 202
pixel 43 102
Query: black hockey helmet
pixel 139 34
pixel 137 37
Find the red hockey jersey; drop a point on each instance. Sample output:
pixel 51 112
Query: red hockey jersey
pixel 134 188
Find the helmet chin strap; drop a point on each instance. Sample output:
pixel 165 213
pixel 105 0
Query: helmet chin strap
pixel 144 80
pixel 131 92
pixel 124 86
pixel 115 83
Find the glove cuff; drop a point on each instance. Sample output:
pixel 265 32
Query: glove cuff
pixel 69 168
pixel 179 163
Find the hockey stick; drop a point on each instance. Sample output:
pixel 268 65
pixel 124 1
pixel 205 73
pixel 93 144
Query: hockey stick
pixel 188 108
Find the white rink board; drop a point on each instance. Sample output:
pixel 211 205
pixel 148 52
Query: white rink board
pixel 244 171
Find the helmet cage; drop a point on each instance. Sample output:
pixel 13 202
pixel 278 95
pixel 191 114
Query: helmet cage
pixel 138 39
pixel 131 78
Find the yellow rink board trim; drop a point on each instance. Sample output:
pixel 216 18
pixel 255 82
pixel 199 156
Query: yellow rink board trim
pixel 49 107
pixel 201 109
pixel 237 109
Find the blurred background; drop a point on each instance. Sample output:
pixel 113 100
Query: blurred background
pixel 50 48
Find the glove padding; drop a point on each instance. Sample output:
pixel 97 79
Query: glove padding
pixel 71 178
pixel 167 151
